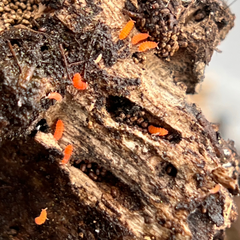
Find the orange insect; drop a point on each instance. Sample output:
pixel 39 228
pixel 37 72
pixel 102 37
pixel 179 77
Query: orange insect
pixel 139 37
pixel 78 82
pixel 126 30
pixel 59 130
pixel 157 130
pixel 67 154
pixel 42 217
pixel 146 46
pixel 55 95
pixel 215 189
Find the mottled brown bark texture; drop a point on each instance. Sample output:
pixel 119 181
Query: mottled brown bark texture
pixel 122 182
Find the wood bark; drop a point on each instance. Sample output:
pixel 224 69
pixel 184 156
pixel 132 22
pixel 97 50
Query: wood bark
pixel 121 181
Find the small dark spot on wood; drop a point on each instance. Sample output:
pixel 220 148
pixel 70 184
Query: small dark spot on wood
pixel 199 179
pixel 40 126
pixel 171 170
pixel 222 24
pixel 148 219
pixel 199 15
pixel 114 192
pixel 220 235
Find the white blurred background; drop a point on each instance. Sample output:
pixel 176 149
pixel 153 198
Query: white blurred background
pixel 219 94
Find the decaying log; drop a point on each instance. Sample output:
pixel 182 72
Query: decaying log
pixel 121 181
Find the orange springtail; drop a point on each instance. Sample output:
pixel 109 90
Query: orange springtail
pixel 59 130
pixel 67 154
pixel 55 95
pixel 78 82
pixel 147 46
pixel 42 217
pixel 215 189
pixel 126 30
pixel 157 130
pixel 139 37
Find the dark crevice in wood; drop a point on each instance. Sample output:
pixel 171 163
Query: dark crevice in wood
pixel 124 111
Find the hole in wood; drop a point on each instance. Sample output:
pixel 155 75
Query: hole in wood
pixel 124 111
pixel 171 170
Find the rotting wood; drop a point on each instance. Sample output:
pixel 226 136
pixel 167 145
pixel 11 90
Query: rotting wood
pixel 123 182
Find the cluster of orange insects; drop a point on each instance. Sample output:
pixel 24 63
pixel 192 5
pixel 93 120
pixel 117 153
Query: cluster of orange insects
pixel 80 85
pixel 144 46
